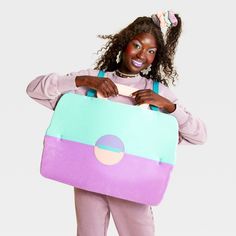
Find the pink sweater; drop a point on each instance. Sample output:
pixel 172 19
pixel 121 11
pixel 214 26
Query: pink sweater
pixel 47 89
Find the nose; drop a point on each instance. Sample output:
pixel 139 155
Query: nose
pixel 141 55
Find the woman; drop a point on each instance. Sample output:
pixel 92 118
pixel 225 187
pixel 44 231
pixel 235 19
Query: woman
pixel 136 56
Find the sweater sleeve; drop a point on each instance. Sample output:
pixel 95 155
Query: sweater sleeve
pixel 192 130
pixel 47 89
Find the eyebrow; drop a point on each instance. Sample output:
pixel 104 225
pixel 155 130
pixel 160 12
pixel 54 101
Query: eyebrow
pixel 142 44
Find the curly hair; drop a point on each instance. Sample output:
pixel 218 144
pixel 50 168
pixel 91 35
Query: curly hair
pixel 162 69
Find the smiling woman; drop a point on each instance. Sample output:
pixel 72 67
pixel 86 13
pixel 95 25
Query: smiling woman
pixel 142 57
pixel 139 54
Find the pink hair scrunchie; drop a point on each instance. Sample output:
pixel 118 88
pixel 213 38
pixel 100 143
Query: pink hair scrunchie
pixel 167 20
pixel 162 19
pixel 155 19
pixel 172 18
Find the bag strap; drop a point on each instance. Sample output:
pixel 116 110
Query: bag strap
pixel 155 90
pixel 92 92
pixel 101 74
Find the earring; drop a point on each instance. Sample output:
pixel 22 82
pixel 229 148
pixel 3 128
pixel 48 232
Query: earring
pixel 147 70
pixel 118 57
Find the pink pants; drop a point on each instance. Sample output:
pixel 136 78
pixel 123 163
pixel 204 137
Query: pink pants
pixel 93 214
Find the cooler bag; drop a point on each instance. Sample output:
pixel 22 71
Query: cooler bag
pixel 111 148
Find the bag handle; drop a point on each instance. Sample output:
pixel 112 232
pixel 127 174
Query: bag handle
pixel 123 90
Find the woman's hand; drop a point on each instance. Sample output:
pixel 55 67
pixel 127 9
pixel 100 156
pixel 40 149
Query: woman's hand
pixel 105 86
pixel 152 98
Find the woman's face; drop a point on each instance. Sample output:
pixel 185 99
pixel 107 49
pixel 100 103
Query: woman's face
pixel 139 53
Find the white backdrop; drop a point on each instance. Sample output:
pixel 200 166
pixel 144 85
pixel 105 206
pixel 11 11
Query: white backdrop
pixel 39 37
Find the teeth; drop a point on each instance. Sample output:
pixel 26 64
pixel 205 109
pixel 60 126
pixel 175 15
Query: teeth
pixel 137 63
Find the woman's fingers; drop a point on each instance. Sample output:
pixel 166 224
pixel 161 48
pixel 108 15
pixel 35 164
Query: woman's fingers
pixel 143 99
pixel 111 87
pixel 143 96
pixel 108 88
pixel 142 92
pixel 138 92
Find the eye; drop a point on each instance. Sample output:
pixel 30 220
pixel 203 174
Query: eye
pixel 136 45
pixel 152 51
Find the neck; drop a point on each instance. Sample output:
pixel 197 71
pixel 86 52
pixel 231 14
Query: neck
pixel 125 75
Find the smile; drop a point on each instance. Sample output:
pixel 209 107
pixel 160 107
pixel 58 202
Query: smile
pixel 137 63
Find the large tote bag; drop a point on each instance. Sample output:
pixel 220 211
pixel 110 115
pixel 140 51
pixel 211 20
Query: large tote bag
pixel 110 148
